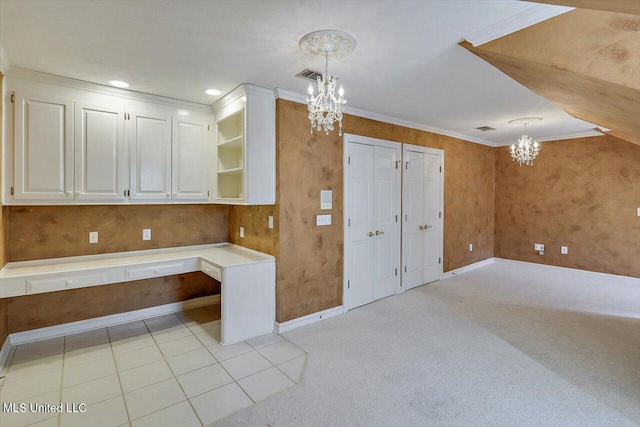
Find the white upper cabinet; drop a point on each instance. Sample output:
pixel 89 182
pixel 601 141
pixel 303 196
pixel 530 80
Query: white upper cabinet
pixel 71 142
pixel 101 163
pixel 245 147
pixel 190 167
pixel 149 139
pixel 43 148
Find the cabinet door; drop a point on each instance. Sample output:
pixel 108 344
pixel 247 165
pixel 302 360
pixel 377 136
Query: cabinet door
pixel 149 139
pixel 190 159
pixel 101 160
pixel 43 150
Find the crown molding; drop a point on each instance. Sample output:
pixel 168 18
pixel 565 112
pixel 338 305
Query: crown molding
pixel 4 61
pixel 517 22
pixel 586 134
pixel 300 98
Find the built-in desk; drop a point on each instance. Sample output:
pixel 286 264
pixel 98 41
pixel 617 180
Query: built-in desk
pixel 247 277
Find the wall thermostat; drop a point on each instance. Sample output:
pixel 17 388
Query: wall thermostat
pixel 325 199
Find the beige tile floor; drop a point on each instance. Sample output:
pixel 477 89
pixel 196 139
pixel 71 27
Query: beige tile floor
pixel 164 371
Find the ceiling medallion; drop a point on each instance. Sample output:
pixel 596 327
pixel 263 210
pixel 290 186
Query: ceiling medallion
pixel 527 149
pixel 325 108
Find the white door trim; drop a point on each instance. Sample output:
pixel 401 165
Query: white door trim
pixel 350 138
pixel 440 153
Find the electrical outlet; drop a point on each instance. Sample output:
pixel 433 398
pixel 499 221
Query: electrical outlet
pixel 146 234
pixel 470 247
pixel 93 237
pixel 564 250
pixel 323 220
pixel 242 232
pixel 270 221
pixel 638 211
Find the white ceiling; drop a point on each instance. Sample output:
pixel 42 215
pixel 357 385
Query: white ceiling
pixel 407 64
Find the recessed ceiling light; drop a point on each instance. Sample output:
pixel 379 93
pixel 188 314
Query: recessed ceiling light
pixel 212 92
pixel 118 83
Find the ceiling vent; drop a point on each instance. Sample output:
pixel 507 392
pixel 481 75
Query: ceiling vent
pixel 309 75
pixel 485 128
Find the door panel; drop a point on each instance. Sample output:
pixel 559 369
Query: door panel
pixel 190 160
pixel 101 165
pixel 360 205
pixel 43 153
pixel 432 209
pixel 386 252
pixel 413 198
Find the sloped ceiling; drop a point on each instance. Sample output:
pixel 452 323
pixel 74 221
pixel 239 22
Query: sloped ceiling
pixel 585 61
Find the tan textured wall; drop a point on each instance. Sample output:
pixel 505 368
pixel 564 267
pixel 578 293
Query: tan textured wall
pixel 37 232
pixel 53 308
pixel 310 259
pixel 580 193
pixel 257 234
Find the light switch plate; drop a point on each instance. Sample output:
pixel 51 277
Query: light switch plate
pixel 146 234
pixel 564 250
pixel 323 220
pixel 270 221
pixel 242 232
pixel 93 237
pixel 539 247
pixel 638 211
pixel 470 247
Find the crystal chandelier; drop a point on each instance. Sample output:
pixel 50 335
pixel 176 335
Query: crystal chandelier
pixel 527 149
pixel 325 108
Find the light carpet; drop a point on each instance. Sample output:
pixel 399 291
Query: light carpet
pixel 504 345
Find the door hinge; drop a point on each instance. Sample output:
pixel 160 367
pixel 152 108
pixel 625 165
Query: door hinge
pixel 12 191
pixel 439 214
pixel 405 268
pixel 440 169
pixel 439 260
pixel 13 97
pixel 348 284
pixel 349 160
pixel 208 193
pixel 208 127
pixel 406 165
pixel 405 218
pixel 396 218
pixel 396 271
pixel 349 222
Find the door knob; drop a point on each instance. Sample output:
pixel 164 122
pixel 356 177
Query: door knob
pixel 379 233
pixel 426 227
pixel 370 234
pixel 421 228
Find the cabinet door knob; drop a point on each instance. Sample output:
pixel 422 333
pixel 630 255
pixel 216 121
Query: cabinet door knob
pixel 69 283
pixel 175 194
pixel 69 193
pixel 168 194
pixel 78 193
pixel 156 271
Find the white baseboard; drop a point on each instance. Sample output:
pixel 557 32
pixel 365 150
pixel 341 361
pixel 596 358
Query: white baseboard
pixel 308 319
pixel 467 268
pixel 587 273
pixel 107 321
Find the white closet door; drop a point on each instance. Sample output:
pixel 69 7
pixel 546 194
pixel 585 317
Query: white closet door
pixel 431 258
pixel 386 258
pixel 372 208
pixel 149 138
pixel 43 150
pixel 413 194
pixel 422 232
pixel 191 160
pixel 360 205
pixel 101 164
